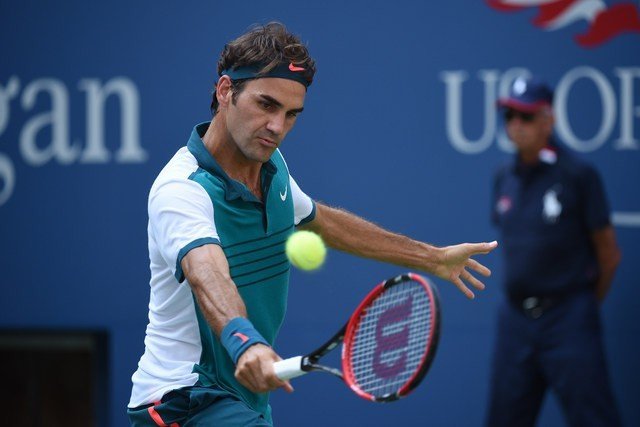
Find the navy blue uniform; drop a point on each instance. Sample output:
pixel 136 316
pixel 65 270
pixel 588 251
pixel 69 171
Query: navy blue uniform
pixel 549 332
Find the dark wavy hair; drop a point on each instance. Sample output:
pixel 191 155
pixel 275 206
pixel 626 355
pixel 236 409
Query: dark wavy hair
pixel 269 44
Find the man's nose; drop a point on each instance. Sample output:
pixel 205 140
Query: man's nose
pixel 276 124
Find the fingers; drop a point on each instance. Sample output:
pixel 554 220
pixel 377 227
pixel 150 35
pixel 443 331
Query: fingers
pixel 274 382
pixel 460 285
pixel 259 381
pixel 477 267
pixel 255 370
pixel 247 379
pixel 467 277
pixel 287 387
pixel 483 248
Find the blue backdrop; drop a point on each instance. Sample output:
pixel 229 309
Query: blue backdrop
pixel 399 127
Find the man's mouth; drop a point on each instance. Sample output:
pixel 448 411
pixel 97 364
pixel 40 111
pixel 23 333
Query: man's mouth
pixel 268 142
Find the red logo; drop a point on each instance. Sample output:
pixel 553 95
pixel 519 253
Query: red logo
pixel 242 337
pixel 604 22
pixel 394 342
pixel 294 68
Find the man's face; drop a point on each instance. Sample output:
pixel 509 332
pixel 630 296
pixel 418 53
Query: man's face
pixel 529 132
pixel 263 113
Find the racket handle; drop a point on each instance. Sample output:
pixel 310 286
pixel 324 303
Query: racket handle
pixel 289 368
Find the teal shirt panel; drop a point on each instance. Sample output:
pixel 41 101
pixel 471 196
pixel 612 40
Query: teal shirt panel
pixel 252 235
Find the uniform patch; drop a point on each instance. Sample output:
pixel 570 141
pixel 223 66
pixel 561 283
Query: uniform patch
pixel 552 208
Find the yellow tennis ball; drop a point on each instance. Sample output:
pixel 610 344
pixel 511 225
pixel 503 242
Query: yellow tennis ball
pixel 306 250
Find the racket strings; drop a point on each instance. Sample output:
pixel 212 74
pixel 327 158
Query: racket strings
pixel 391 339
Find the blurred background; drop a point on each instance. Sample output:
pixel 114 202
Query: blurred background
pixel 399 126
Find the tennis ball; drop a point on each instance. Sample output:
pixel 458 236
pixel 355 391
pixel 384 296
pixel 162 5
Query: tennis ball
pixel 306 250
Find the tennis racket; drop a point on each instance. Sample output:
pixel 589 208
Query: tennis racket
pixel 388 343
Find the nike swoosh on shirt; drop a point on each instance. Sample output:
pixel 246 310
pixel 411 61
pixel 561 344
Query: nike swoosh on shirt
pixel 283 196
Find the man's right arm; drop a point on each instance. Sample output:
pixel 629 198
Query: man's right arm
pixel 207 271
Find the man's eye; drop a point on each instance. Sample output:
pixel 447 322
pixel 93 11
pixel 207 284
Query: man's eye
pixel 292 114
pixel 266 105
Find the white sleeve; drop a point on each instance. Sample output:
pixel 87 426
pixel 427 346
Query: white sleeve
pixel 304 208
pixel 181 218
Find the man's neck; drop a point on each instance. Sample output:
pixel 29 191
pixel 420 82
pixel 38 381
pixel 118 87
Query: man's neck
pixel 230 158
pixel 532 157
pixel 529 157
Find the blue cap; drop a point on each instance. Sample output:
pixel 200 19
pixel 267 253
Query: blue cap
pixel 527 94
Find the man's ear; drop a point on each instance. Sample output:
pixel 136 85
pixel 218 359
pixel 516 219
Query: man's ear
pixel 224 91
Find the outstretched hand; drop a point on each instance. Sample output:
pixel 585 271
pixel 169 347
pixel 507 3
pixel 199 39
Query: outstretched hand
pixel 456 262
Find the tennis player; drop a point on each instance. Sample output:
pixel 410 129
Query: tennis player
pixel 219 214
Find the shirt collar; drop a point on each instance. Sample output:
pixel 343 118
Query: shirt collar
pixel 233 189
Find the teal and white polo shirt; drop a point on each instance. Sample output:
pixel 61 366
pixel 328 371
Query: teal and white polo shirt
pixel 193 202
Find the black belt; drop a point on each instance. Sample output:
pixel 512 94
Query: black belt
pixel 536 306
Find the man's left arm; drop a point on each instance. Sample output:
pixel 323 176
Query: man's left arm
pixel 347 232
pixel 608 256
pixel 603 237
